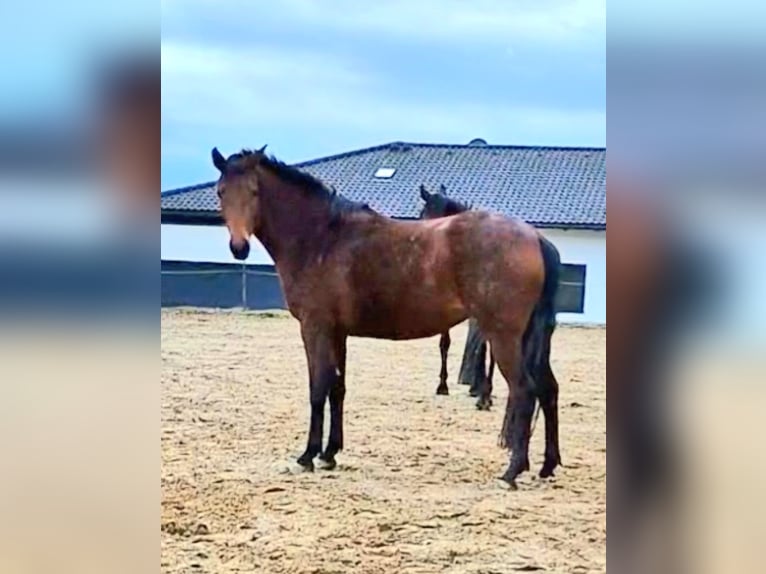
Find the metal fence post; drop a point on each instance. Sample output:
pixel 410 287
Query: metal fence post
pixel 244 286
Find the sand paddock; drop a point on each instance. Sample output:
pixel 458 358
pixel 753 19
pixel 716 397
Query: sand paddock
pixel 415 490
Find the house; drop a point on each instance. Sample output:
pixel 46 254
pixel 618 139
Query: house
pixel 561 191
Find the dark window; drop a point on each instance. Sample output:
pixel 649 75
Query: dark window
pixel 571 294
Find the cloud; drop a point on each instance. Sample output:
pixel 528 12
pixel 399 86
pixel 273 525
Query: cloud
pixel 207 84
pixel 319 77
pixel 483 21
pixel 478 20
pixel 209 88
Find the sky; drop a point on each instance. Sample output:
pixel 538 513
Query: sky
pixel 48 63
pixel 316 77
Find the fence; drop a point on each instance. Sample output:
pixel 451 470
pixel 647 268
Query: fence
pixel 226 285
pixel 220 285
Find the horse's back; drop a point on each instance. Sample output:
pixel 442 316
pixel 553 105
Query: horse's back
pixel 474 248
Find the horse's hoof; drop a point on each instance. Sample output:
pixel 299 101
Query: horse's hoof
pixel 441 391
pixel 508 483
pixel 483 405
pixel 516 467
pixel 323 464
pixel 305 465
pixel 547 470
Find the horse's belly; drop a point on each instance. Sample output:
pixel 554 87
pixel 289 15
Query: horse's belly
pixel 399 321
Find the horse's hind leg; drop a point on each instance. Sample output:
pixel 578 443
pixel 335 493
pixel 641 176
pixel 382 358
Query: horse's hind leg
pixel 549 397
pixel 521 403
pixel 444 344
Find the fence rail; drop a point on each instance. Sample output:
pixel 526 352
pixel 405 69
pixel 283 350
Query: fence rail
pixel 219 272
pixel 222 292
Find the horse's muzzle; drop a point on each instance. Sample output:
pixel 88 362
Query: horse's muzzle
pixel 240 251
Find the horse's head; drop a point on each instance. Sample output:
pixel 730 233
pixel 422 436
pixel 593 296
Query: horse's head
pixel 438 204
pixel 238 191
pixel 434 205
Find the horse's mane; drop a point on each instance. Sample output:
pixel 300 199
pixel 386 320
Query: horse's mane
pixel 453 206
pixel 339 204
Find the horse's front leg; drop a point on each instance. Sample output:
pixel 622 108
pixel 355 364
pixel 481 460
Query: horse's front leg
pixel 323 374
pixel 337 394
pixel 444 344
pixel 485 395
pixel 490 375
pixel 479 367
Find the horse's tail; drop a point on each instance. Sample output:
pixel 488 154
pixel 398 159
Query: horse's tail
pixel 537 338
pixel 536 342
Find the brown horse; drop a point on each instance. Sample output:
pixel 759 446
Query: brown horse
pixel 347 271
pixel 439 205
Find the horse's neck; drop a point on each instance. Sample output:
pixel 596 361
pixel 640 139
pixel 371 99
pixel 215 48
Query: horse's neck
pixel 294 226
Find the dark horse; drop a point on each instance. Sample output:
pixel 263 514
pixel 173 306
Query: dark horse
pixel 439 205
pixel 346 270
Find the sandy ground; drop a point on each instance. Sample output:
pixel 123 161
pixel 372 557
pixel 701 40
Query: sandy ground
pixel 415 490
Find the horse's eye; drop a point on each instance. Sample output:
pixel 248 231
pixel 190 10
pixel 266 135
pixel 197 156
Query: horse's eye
pixel 219 191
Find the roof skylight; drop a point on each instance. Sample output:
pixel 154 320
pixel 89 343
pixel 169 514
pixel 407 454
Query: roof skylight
pixel 385 172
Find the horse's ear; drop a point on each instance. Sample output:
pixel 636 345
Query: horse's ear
pixel 218 160
pixel 263 149
pixel 424 193
pixel 443 189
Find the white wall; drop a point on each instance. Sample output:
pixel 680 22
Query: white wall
pixel 205 243
pixel 211 244
pixel 584 248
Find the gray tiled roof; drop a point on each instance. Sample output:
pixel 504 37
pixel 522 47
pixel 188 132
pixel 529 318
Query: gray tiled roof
pixel 546 186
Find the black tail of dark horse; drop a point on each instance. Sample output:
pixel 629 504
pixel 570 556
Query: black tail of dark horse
pixel 536 342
